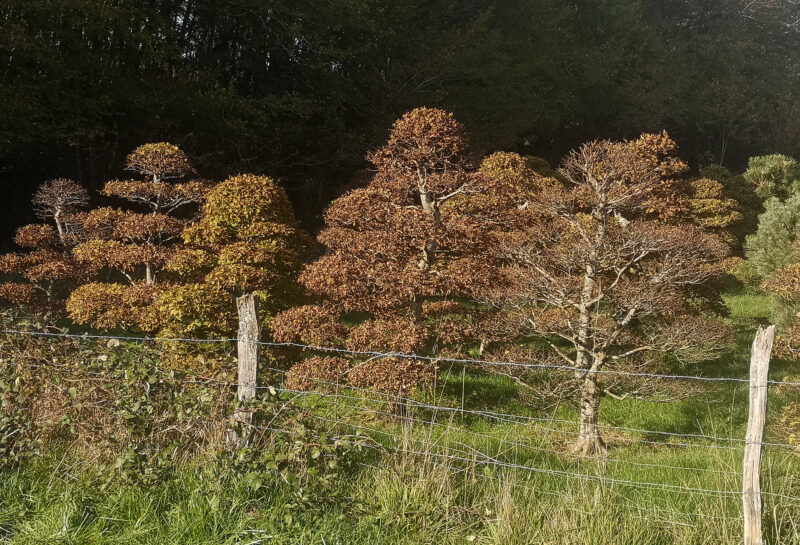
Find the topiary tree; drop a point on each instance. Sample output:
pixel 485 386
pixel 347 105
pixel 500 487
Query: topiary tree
pixel 615 267
pixel 42 275
pixel 711 209
pixel 423 231
pixel 772 247
pixel 773 176
pixel 246 241
pixel 134 246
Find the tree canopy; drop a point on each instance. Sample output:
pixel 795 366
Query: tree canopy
pixel 617 267
pixel 411 253
pixel 134 247
pixel 245 241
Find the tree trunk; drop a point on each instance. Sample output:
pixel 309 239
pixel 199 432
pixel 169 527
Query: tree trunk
pixel 431 206
pixel 416 308
pixel 60 227
pixel 589 441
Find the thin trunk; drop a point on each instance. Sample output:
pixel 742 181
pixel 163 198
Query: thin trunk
pixel 416 308
pixel 148 271
pixel 431 206
pixel 589 441
pixel 60 227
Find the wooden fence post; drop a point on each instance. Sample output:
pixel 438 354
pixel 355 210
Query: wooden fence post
pixel 753 448
pixel 247 360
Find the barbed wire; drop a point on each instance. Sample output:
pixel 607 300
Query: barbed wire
pixel 402 355
pixel 506 417
pixel 483 458
pixel 515 418
pixel 466 453
pixel 501 417
pixel 514 443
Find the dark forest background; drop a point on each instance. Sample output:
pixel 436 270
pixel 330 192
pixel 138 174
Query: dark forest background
pixel 301 89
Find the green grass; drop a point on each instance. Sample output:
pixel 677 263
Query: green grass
pixel 383 495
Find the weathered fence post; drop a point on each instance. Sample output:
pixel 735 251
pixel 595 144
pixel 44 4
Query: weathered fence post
pixel 753 448
pixel 247 359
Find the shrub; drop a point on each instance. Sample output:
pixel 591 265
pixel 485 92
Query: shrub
pixel 771 247
pixel 773 176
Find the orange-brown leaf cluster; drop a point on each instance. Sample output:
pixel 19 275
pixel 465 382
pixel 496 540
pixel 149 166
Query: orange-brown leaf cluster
pixel 43 273
pixel 159 161
pixel 316 325
pixel 396 376
pixel 111 305
pixel 134 247
pixel 387 334
pixel 318 373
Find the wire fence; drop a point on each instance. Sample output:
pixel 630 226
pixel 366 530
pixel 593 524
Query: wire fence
pixel 397 354
pixel 640 461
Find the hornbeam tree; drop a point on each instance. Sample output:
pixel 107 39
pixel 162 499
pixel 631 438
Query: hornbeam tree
pixel 134 246
pixel 417 244
pixel 246 241
pixel 615 267
pixel 46 270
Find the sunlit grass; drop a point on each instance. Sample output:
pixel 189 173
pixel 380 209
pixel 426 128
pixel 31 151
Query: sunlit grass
pixel 465 479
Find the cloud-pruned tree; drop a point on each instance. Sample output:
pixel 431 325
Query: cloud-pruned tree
pixel 245 241
pixel 43 273
pixel 409 254
pixel 134 246
pixel 616 267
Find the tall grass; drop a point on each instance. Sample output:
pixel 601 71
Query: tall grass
pixel 464 479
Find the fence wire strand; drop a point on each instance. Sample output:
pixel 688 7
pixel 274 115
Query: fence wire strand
pixel 402 355
pixel 448 449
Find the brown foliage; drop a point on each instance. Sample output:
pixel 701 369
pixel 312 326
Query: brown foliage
pixel 389 334
pixel 317 325
pixel 318 373
pixel 42 274
pixel 616 265
pixel 17 293
pixel 426 227
pixel 159 161
pixel 159 196
pixel 36 236
pixel 422 228
pixel 131 245
pixel 424 139
pixel 396 376
pixel 108 305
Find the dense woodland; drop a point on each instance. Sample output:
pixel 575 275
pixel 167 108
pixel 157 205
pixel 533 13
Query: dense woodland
pixel 301 90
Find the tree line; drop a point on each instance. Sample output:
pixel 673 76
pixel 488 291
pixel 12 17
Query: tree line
pixel 299 88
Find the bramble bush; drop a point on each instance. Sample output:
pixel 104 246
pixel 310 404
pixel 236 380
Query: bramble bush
pixel 118 403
